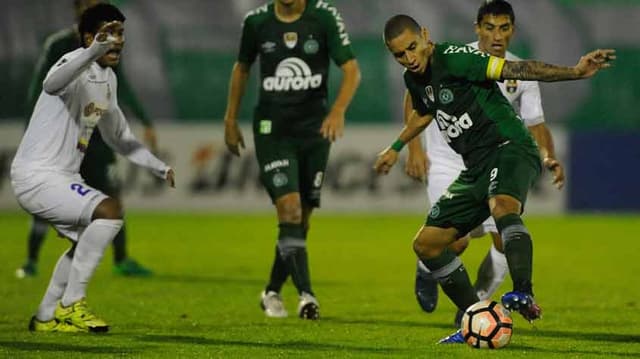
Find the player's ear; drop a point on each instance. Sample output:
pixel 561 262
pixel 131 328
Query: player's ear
pixel 424 32
pixel 87 39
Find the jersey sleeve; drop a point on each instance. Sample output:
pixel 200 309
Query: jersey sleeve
pixel 248 41
pixel 471 64
pixel 338 41
pixel 531 104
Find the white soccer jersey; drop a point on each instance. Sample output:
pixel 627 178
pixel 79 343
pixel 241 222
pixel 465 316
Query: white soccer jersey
pixel 524 96
pixel 62 124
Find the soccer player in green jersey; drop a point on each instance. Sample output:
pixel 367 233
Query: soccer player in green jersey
pixel 494 27
pixel 292 126
pixel 454 85
pixel 99 161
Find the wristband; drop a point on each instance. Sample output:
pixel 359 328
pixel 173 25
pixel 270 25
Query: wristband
pixel 397 146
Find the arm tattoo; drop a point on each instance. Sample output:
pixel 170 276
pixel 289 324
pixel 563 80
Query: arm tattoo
pixel 536 71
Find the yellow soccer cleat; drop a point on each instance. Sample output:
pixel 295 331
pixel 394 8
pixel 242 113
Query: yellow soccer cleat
pixel 52 326
pixel 79 315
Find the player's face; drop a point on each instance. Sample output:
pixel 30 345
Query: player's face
pixel 494 34
pixel 112 57
pixel 412 50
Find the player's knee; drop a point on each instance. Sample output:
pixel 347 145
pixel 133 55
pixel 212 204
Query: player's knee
pixel 110 208
pixel 289 209
pixel 502 205
pixel 424 248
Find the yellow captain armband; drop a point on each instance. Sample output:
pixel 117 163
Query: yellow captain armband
pixel 494 68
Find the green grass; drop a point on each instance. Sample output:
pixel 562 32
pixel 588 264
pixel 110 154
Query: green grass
pixel 203 300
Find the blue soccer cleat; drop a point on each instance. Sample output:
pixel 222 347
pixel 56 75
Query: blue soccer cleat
pixel 426 290
pixel 522 303
pixel 455 338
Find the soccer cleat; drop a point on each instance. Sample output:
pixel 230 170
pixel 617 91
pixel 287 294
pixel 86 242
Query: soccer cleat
pixel 455 338
pixel 426 290
pixel 523 303
pixel 29 269
pixel 130 268
pixel 52 326
pixel 308 308
pixel 79 315
pixel 271 303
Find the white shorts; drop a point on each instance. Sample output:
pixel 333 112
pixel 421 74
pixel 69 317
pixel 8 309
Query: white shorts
pixel 439 179
pixel 65 201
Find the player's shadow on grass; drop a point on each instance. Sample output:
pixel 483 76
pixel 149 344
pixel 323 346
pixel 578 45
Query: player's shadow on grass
pixel 190 278
pixel 58 347
pixel 568 352
pixel 390 323
pixel 285 345
pixel 596 337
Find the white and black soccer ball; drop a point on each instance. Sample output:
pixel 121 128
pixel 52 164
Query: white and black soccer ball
pixel 487 324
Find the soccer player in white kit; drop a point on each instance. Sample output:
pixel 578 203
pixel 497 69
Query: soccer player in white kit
pixel 79 93
pixel 441 165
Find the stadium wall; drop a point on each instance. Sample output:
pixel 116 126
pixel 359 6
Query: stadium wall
pixel 210 179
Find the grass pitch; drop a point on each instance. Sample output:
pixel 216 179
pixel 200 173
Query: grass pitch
pixel 203 300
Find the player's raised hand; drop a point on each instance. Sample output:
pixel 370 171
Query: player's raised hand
pixel 333 125
pixel 417 164
pixel 558 171
pixel 594 61
pixel 386 159
pixel 171 178
pixel 233 137
pixel 108 31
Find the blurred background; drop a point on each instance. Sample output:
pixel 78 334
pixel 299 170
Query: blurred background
pixel 178 59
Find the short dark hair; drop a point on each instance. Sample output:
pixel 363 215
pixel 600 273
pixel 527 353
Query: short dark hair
pixel 397 24
pixel 93 17
pixel 495 7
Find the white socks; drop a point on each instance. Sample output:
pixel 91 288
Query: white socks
pixel 55 289
pixel 91 246
pixel 499 268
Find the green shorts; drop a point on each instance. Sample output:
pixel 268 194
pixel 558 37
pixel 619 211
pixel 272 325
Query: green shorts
pixel 289 165
pixel 510 170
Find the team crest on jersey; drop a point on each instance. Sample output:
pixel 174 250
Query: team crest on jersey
pixel 280 179
pixel 311 46
pixel 290 39
pixel 429 91
pixel 445 96
pixel 511 86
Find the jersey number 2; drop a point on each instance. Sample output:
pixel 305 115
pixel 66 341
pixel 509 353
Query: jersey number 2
pixel 80 189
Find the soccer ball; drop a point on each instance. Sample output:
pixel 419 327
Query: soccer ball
pixel 487 324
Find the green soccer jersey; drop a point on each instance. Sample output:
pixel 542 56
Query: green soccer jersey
pixel 294 61
pixel 458 89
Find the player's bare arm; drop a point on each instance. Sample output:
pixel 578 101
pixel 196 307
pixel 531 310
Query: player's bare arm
pixel 333 126
pixel 544 139
pixel 588 65
pixel 237 84
pixel 417 161
pixel 414 126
